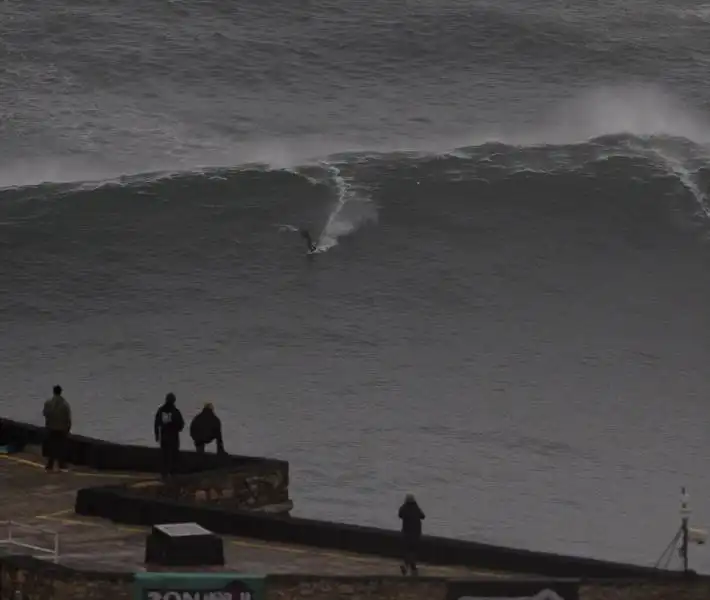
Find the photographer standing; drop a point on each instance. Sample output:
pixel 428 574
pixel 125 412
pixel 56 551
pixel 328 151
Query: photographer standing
pixel 412 517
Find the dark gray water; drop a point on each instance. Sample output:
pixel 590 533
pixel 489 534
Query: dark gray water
pixel 509 316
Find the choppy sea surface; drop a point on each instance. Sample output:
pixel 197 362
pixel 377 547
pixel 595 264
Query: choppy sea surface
pixel 508 313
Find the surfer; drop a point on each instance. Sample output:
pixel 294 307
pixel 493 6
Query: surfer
pixel 305 234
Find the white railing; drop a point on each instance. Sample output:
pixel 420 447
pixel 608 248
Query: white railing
pixel 14 537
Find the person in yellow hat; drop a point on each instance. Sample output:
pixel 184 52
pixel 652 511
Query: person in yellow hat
pixel 206 428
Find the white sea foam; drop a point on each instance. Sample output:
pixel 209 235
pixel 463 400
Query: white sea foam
pixel 351 209
pixel 640 110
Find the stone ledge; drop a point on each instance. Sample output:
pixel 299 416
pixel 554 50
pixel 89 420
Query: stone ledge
pixel 109 456
pixel 683 588
pixel 33 578
pixel 36 579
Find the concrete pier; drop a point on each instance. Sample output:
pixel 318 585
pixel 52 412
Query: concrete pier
pixel 47 550
pixel 33 497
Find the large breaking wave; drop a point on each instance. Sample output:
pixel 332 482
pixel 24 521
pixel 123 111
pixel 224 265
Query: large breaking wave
pixel 345 192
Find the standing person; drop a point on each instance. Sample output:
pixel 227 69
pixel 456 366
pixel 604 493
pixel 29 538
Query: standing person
pixel 412 517
pixel 168 425
pixel 206 428
pixel 57 422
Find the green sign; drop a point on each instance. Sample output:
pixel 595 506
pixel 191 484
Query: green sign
pixel 197 586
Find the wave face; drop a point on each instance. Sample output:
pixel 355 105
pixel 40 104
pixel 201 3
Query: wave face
pixel 648 186
pixel 508 312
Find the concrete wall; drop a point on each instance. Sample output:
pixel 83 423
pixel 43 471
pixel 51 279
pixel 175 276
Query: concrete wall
pixel 393 588
pixel 249 487
pixel 512 587
pixel 103 455
pixel 334 588
pixel 692 589
pixel 286 587
pixel 120 505
pixel 26 578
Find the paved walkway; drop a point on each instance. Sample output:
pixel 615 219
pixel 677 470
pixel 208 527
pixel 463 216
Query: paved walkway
pixel 44 501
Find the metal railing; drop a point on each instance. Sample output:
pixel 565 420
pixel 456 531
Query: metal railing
pixel 14 538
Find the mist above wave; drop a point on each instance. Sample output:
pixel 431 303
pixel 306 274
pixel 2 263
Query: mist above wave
pixel 638 110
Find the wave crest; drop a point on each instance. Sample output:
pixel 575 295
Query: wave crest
pixel 336 198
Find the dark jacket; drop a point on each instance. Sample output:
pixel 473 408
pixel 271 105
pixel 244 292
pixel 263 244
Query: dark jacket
pixel 412 517
pixel 57 414
pixel 168 424
pixel 206 427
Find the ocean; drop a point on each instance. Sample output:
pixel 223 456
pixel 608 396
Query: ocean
pixel 508 314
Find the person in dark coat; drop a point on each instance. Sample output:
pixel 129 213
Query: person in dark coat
pixel 168 425
pixel 57 423
pixel 412 517
pixel 206 428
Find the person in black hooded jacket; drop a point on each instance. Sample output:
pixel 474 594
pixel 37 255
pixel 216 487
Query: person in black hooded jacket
pixel 412 517
pixel 206 428
pixel 168 425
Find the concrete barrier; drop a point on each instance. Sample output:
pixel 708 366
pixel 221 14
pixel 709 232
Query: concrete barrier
pixel 110 456
pixel 256 486
pixel 549 589
pixel 314 587
pixel 123 505
pixel 26 577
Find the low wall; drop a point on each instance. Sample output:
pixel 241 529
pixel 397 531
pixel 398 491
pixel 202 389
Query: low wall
pixel 391 588
pixel 124 505
pixel 305 587
pixel 110 456
pixel 567 589
pixel 26 578
pixel 681 588
pixel 262 486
